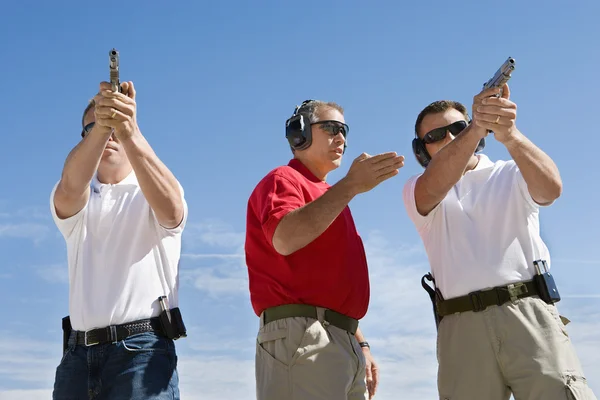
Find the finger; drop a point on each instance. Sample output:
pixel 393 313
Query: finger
pixel 498 101
pixel 505 91
pixel 486 93
pixel 117 104
pixel 362 157
pixel 495 110
pixel 493 119
pixel 488 125
pixel 395 162
pixel 385 177
pixel 111 113
pixel 131 92
pixel 124 88
pixel 105 86
pixel 382 157
pixel 109 94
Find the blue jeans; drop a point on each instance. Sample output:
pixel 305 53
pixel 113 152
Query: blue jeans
pixel 143 366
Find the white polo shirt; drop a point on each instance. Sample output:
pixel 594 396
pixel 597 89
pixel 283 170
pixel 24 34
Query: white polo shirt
pixel 485 233
pixel 120 258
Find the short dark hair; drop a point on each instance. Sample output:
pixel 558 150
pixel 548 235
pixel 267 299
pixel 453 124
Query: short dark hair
pixel 90 105
pixel 438 107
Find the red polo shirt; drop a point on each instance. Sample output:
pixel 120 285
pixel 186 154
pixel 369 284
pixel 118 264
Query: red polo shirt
pixel 329 272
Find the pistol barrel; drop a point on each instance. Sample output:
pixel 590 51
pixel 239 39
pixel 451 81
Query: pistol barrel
pixel 113 65
pixel 502 75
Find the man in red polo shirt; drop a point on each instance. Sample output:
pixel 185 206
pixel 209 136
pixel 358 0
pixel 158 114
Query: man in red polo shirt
pixel 309 281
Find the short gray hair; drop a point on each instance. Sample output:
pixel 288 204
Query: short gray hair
pixel 313 107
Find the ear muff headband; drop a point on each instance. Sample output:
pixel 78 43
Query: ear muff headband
pixel 422 155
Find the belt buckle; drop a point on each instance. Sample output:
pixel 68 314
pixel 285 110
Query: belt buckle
pixel 516 289
pixel 85 340
pixel 478 304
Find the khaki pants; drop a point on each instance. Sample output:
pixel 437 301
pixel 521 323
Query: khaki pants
pixel 303 359
pixel 520 347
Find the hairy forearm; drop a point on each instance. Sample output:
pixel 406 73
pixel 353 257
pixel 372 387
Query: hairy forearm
pixel 303 225
pixel 82 163
pixel 539 171
pixel 158 184
pixel 445 169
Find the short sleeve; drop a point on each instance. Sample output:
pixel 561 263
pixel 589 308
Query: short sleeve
pixel 66 226
pixel 179 228
pixel 408 195
pixel 522 186
pixel 274 197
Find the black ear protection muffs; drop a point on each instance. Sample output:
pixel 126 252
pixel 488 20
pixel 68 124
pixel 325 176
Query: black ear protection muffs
pixel 422 155
pixel 298 129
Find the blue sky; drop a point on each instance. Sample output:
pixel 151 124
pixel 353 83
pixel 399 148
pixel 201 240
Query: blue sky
pixel 215 83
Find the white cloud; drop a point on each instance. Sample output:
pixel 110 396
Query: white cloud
pixel 33 394
pixel 570 261
pixel 193 256
pixel 33 231
pixel 56 273
pixel 213 233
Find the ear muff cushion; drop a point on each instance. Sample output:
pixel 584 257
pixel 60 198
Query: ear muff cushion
pixel 420 152
pixel 298 132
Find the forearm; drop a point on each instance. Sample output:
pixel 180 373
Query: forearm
pixel 303 225
pixel 158 184
pixel 82 163
pixel 539 171
pixel 445 170
pixel 359 336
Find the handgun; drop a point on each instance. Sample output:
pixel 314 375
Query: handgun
pixel 113 65
pixel 501 76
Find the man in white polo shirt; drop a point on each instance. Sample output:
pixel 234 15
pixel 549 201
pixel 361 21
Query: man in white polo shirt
pixel 500 332
pixel 122 213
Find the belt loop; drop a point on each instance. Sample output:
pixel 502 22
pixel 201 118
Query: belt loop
pixel 321 316
pixel 113 334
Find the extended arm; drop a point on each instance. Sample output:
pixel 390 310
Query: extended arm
pixel 72 192
pixel 445 169
pixel 158 184
pixel 539 171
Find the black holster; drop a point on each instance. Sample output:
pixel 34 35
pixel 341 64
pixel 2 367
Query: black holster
pixel 434 295
pixel 66 327
pixel 172 323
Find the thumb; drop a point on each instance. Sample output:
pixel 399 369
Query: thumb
pixel 362 157
pixel 131 92
pixel 505 91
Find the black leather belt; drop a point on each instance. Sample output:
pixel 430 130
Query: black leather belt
pixel 304 310
pixel 115 333
pixel 482 299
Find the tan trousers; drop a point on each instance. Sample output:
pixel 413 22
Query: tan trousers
pixel 304 359
pixel 520 347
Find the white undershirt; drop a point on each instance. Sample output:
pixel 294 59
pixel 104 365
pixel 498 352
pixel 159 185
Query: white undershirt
pixel 120 258
pixel 485 233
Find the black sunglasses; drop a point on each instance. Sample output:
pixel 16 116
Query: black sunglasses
pixel 437 134
pixel 87 129
pixel 333 127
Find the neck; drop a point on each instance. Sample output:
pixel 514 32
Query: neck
pixel 113 175
pixel 472 164
pixel 319 171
